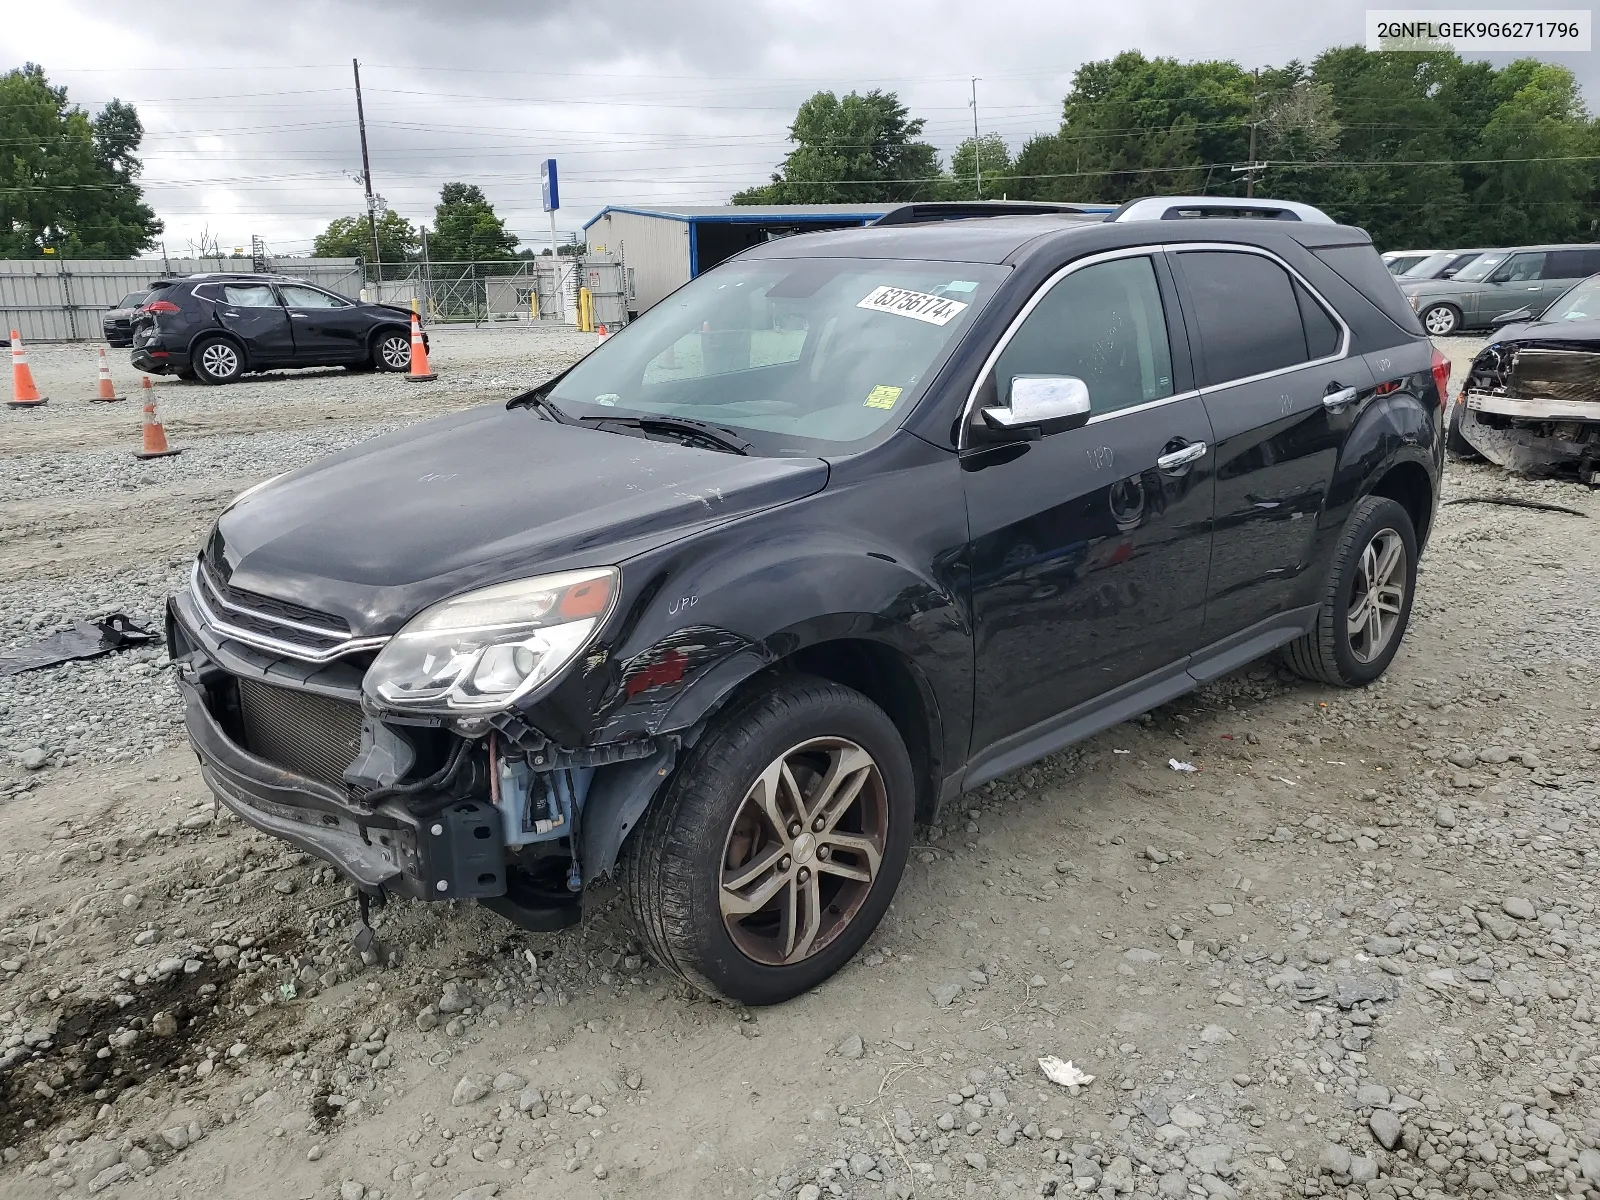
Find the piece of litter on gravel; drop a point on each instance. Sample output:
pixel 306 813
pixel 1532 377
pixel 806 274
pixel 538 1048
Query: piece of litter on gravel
pixel 1181 766
pixel 86 639
pixel 1064 1073
pixel 1122 751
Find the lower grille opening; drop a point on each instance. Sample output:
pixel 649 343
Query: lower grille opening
pixel 299 731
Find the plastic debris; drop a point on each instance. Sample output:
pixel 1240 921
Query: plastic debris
pixel 1181 766
pixel 86 639
pixel 1346 991
pixel 1064 1074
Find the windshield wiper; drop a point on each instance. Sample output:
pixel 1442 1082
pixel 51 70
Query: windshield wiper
pixel 723 439
pixel 536 398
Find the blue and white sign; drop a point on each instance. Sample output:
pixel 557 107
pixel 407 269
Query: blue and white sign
pixel 549 191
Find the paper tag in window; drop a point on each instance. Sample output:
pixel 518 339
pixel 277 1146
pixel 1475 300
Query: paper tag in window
pixel 919 306
pixel 883 396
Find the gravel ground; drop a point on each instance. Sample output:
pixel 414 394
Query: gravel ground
pixel 1352 955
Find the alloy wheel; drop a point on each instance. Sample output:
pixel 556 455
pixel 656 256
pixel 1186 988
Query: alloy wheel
pixel 803 850
pixel 1440 321
pixel 1379 597
pixel 396 352
pixel 220 360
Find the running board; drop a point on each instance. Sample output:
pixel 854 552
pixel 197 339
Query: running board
pixel 1138 696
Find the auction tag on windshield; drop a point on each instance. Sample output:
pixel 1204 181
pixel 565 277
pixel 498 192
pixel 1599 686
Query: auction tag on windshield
pixel 919 306
pixel 883 396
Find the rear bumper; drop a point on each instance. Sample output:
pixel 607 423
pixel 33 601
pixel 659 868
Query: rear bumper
pixel 158 360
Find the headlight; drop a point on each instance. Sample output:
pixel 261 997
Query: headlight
pixel 485 650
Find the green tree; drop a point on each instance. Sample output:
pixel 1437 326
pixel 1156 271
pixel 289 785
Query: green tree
pixel 466 229
pixel 351 237
pixel 993 156
pixel 860 149
pixel 68 181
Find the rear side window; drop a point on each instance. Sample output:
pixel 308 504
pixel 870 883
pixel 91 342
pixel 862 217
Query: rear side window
pixel 1322 332
pixel 1362 269
pixel 249 295
pixel 1103 324
pixel 1247 311
pixel 1572 264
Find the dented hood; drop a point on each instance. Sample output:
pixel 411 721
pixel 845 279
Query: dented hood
pixel 378 532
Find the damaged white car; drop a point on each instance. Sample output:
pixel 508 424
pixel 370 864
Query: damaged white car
pixel 1531 401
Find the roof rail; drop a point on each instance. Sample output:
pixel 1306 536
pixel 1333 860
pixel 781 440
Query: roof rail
pixel 926 212
pixel 1184 208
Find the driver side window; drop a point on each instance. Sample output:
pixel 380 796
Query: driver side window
pixel 1103 324
pixel 1519 268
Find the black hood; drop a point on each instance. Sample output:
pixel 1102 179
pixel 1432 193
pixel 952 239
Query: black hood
pixel 378 532
pixel 1554 335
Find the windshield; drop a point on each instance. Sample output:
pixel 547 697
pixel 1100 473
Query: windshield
pixel 132 300
pixel 1479 268
pixel 1578 303
pixel 1433 266
pixel 1401 263
pixel 800 356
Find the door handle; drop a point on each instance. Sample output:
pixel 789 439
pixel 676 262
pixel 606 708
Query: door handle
pixel 1533 287
pixel 1182 457
pixel 300 316
pixel 1336 401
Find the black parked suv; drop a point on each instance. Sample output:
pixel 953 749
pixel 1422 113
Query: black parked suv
pixel 218 327
pixel 855 522
pixel 117 321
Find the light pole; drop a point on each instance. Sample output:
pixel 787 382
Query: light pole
pixel 977 146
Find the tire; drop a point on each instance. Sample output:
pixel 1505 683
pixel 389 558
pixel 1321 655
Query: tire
pixel 1454 441
pixel 186 373
pixel 1330 653
pixel 689 905
pixel 1441 320
pixel 216 360
pixel 391 350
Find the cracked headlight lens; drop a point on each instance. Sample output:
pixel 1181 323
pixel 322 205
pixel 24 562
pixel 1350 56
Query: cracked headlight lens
pixel 482 651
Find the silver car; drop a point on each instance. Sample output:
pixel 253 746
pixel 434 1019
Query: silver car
pixel 1496 282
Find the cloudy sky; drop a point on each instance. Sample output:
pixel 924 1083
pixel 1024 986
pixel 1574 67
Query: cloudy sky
pixel 250 109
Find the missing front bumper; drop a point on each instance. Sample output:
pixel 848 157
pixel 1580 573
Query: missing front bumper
pixel 1533 436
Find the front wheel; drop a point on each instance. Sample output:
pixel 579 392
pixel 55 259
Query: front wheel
pixel 1367 601
pixel 1441 320
pixel 391 351
pixel 778 845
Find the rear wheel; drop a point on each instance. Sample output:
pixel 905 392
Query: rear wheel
pixel 778 845
pixel 1441 320
pixel 391 351
pixel 1367 600
pixel 217 360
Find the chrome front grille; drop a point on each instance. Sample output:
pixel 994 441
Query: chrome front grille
pixel 300 731
pixel 268 624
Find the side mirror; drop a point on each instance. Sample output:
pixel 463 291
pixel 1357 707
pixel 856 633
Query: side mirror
pixel 1041 404
pixel 1516 314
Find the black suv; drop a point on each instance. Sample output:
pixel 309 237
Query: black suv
pixel 117 322
pixel 218 327
pixel 855 522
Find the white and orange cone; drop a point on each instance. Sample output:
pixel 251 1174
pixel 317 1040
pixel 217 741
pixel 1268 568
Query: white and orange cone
pixel 23 393
pixel 601 333
pixel 108 393
pixel 419 354
pixel 155 437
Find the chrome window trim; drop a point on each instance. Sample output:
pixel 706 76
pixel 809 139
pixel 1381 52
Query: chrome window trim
pixel 261 641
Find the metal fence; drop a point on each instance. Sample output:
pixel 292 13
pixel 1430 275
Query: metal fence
pixel 541 289
pixel 57 300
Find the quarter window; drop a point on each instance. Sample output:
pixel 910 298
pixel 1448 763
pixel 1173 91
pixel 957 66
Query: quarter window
pixel 305 297
pixel 1103 324
pixel 1571 264
pixel 1253 316
pixel 249 295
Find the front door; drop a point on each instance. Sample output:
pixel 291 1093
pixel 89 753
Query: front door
pixel 252 312
pixel 1089 547
pixel 1281 395
pixel 1516 282
pixel 327 328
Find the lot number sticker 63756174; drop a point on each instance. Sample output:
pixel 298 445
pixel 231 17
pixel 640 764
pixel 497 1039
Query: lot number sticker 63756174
pixel 919 306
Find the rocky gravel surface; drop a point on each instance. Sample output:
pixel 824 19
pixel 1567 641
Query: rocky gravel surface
pixel 1353 954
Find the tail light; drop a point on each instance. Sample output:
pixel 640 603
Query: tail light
pixel 166 306
pixel 1441 377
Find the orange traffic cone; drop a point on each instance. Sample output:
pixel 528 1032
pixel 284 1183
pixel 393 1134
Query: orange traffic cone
pixel 23 393
pixel 107 392
pixel 602 334
pixel 155 437
pixel 419 354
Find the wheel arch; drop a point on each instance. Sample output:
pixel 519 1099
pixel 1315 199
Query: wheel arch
pixel 220 334
pixel 1408 485
pixel 384 329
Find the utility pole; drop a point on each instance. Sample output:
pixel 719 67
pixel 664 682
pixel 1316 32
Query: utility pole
pixel 1250 176
pixel 366 173
pixel 977 146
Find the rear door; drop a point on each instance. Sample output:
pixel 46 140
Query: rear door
pixel 1563 268
pixel 252 312
pixel 327 328
pixel 1089 546
pixel 1281 394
